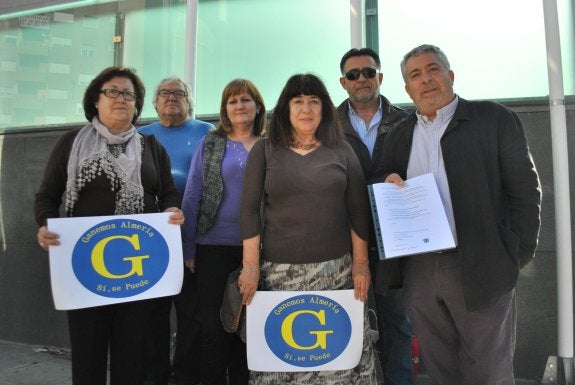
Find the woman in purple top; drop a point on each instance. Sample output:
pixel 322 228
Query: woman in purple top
pixel 211 234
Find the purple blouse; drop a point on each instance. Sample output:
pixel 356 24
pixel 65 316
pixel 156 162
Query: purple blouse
pixel 226 229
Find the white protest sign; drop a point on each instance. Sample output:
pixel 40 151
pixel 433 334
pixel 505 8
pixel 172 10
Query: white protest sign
pixel 113 259
pixel 298 331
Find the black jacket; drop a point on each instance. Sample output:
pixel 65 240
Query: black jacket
pixel 391 117
pixel 494 190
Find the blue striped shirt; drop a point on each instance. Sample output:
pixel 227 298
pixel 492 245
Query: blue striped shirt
pixel 368 135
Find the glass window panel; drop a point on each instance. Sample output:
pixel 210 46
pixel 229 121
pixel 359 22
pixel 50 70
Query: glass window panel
pixel 47 59
pixel 26 88
pixel 32 62
pixel 267 42
pixel 34 116
pixel 9 39
pixel 6 92
pixel 154 42
pixel 496 48
pixel 44 60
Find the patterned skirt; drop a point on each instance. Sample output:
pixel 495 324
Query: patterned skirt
pixel 330 275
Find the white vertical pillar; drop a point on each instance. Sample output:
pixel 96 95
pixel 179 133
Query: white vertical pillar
pixel 356 23
pixel 560 180
pixel 191 44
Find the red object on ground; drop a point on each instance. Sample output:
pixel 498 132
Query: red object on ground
pixel 415 356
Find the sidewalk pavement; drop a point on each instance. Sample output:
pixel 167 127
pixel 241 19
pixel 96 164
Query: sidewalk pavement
pixel 22 364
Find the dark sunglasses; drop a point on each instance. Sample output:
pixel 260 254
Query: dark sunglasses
pixel 367 73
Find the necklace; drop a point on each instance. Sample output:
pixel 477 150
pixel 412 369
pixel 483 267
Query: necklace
pixel 304 146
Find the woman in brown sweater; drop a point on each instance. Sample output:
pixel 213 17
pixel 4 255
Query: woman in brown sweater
pixel 316 217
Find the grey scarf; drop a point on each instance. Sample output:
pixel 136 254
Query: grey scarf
pixel 97 151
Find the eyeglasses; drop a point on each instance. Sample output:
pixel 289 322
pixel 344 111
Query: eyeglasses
pixel 175 94
pixel 367 73
pixel 113 93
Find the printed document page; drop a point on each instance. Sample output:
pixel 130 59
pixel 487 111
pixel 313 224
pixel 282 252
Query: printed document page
pixel 411 218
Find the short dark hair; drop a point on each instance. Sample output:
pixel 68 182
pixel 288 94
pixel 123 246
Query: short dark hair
pixel 92 93
pixel 236 87
pixel 359 52
pixel 329 131
pixel 424 48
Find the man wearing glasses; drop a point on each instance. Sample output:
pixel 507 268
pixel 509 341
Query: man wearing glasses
pixel 179 133
pixel 366 116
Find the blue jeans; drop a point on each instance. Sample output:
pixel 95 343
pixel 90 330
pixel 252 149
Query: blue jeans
pixel 395 331
pixel 395 334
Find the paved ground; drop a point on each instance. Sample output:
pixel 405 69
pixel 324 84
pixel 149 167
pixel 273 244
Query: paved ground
pixel 22 364
pixel 33 365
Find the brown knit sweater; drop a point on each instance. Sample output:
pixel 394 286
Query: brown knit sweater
pixel 310 202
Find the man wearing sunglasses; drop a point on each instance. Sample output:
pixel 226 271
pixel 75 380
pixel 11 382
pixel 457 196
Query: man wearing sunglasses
pixel 366 117
pixel 179 133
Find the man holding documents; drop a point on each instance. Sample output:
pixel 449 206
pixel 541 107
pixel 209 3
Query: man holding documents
pixel 461 301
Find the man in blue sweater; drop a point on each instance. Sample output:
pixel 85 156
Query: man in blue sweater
pixel 179 134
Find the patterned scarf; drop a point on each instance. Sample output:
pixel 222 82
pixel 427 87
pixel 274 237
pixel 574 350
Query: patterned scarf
pixel 214 150
pixel 97 151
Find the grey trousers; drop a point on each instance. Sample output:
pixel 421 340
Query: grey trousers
pixel 458 347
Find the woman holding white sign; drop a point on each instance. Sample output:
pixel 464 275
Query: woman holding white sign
pixel 316 215
pixel 107 168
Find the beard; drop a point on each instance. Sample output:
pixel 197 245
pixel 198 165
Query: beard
pixel 365 97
